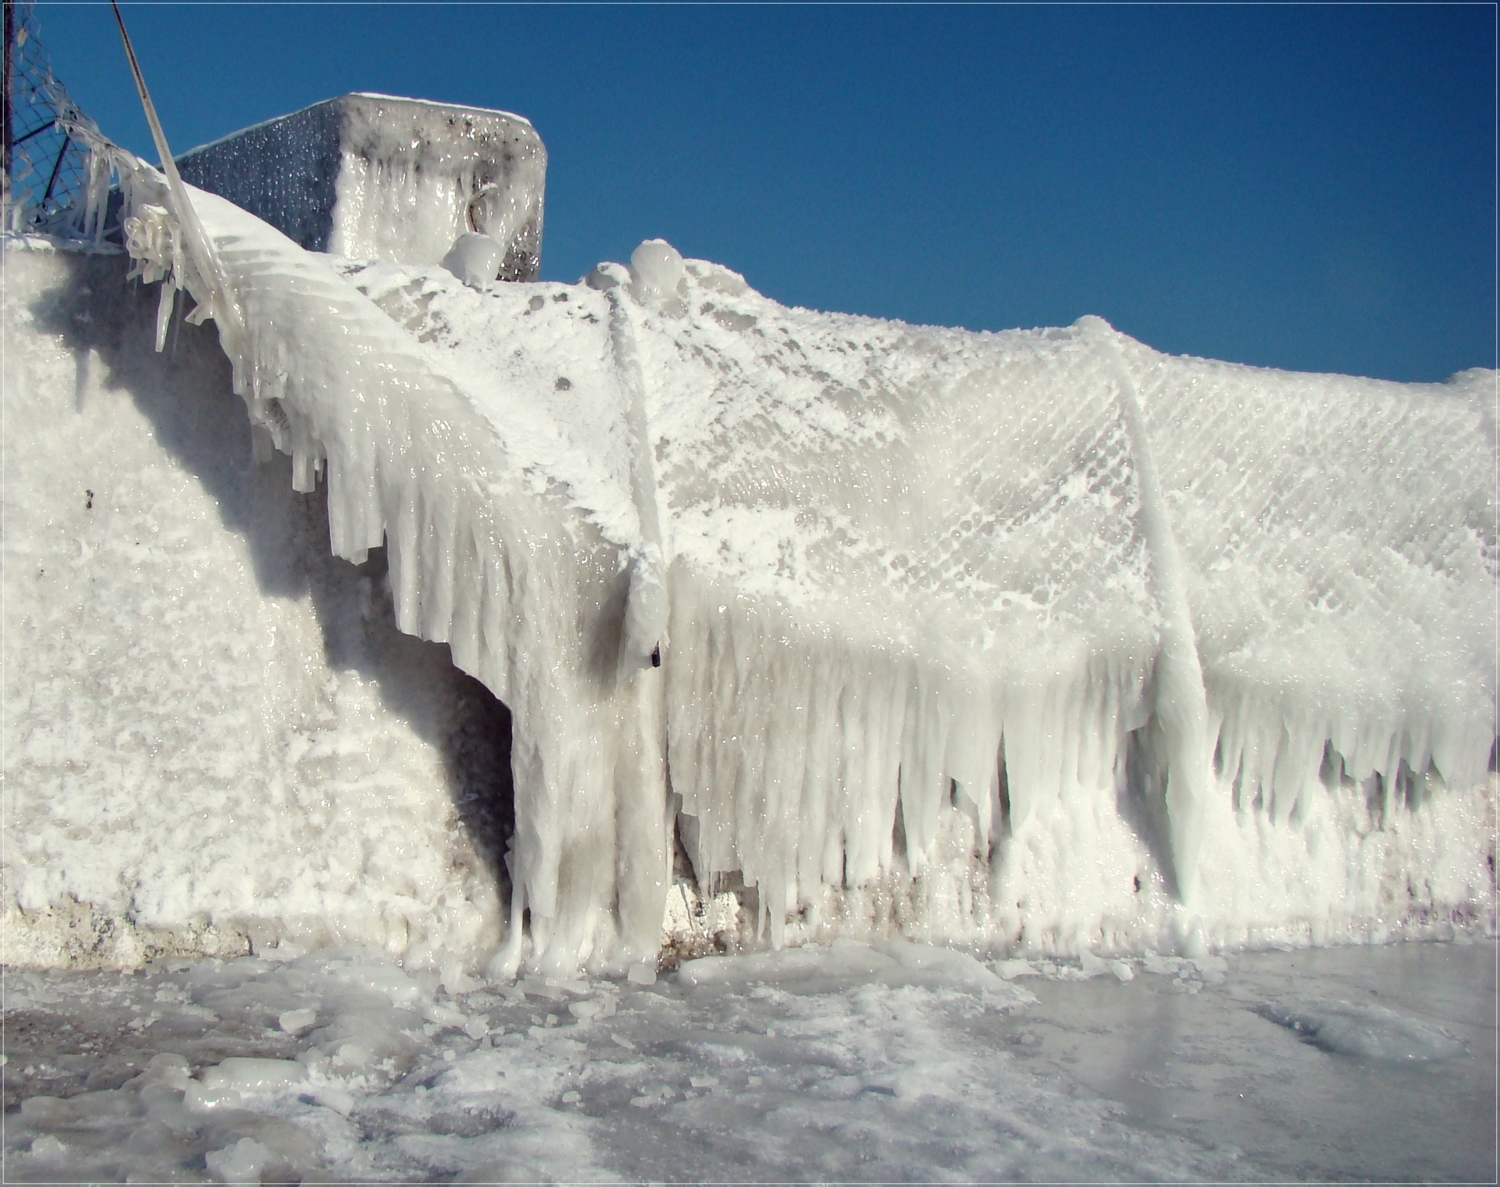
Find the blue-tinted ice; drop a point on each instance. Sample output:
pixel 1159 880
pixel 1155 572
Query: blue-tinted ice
pixel 1365 1032
pixel 847 1064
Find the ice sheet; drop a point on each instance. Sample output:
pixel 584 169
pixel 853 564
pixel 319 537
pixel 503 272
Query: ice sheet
pixel 846 1064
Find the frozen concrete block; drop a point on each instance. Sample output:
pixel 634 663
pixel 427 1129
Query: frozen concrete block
pixel 372 176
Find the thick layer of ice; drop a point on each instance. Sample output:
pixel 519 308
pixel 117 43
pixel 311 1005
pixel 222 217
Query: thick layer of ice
pixel 214 734
pixel 1339 540
pixel 483 556
pixel 1037 639
pixel 416 175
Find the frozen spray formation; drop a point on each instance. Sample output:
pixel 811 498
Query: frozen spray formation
pixel 1036 640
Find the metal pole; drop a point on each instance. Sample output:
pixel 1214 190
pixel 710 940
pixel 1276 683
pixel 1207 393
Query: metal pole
pixel 200 249
pixel 56 169
pixel 8 85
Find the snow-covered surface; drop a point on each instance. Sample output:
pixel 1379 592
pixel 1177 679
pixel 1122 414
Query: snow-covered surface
pixel 848 1064
pixel 214 733
pixel 378 175
pixel 853 596
pixel 1039 641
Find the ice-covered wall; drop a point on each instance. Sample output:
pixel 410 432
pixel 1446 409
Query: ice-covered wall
pixel 1038 640
pixel 214 735
pixel 374 176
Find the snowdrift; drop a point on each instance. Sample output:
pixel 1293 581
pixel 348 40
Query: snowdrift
pixel 1033 641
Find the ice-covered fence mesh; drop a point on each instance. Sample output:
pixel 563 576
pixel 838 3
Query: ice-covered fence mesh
pixel 918 633
pixel 47 159
pixel 1339 538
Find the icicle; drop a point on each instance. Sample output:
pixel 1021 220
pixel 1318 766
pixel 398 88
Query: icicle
pixel 646 604
pixel 1180 701
pixel 164 306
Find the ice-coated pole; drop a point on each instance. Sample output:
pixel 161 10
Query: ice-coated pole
pixel 169 166
pixel 200 250
pixel 1181 703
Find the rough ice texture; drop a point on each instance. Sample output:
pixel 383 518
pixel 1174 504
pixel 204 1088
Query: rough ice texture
pixel 1039 641
pixel 378 176
pixel 214 734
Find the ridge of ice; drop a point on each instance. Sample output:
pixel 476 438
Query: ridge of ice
pixel 439 103
pixel 1369 1032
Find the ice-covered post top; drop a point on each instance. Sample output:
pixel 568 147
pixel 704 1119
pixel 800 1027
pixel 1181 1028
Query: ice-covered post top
pixel 377 177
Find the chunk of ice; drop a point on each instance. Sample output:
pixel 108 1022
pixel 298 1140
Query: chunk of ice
pixel 255 1076
pixel 240 1163
pixel 642 973
pixel 1366 1032
pixel 658 272
pixel 296 1021
pixel 474 259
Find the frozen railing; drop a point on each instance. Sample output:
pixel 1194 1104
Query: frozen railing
pixel 50 167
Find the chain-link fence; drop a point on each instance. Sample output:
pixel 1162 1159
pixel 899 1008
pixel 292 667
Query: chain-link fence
pixel 47 159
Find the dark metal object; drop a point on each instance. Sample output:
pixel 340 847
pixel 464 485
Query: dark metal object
pixel 5 103
pixel 46 138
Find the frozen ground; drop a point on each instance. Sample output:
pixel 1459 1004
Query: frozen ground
pixel 903 1063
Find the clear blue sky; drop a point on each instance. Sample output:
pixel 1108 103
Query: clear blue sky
pixel 1296 186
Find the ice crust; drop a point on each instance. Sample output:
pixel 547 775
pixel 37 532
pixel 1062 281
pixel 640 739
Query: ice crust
pixel 1040 640
pixel 215 735
pixel 848 1063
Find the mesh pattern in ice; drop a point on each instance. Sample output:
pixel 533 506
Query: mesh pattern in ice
pixel 927 616
pixel 1339 535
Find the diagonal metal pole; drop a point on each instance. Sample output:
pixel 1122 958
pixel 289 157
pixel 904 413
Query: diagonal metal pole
pixel 62 155
pixel 169 166
pixel 201 252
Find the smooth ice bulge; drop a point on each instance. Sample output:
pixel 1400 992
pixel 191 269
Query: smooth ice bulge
pixel 1366 1032
pixel 658 270
pixel 474 259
